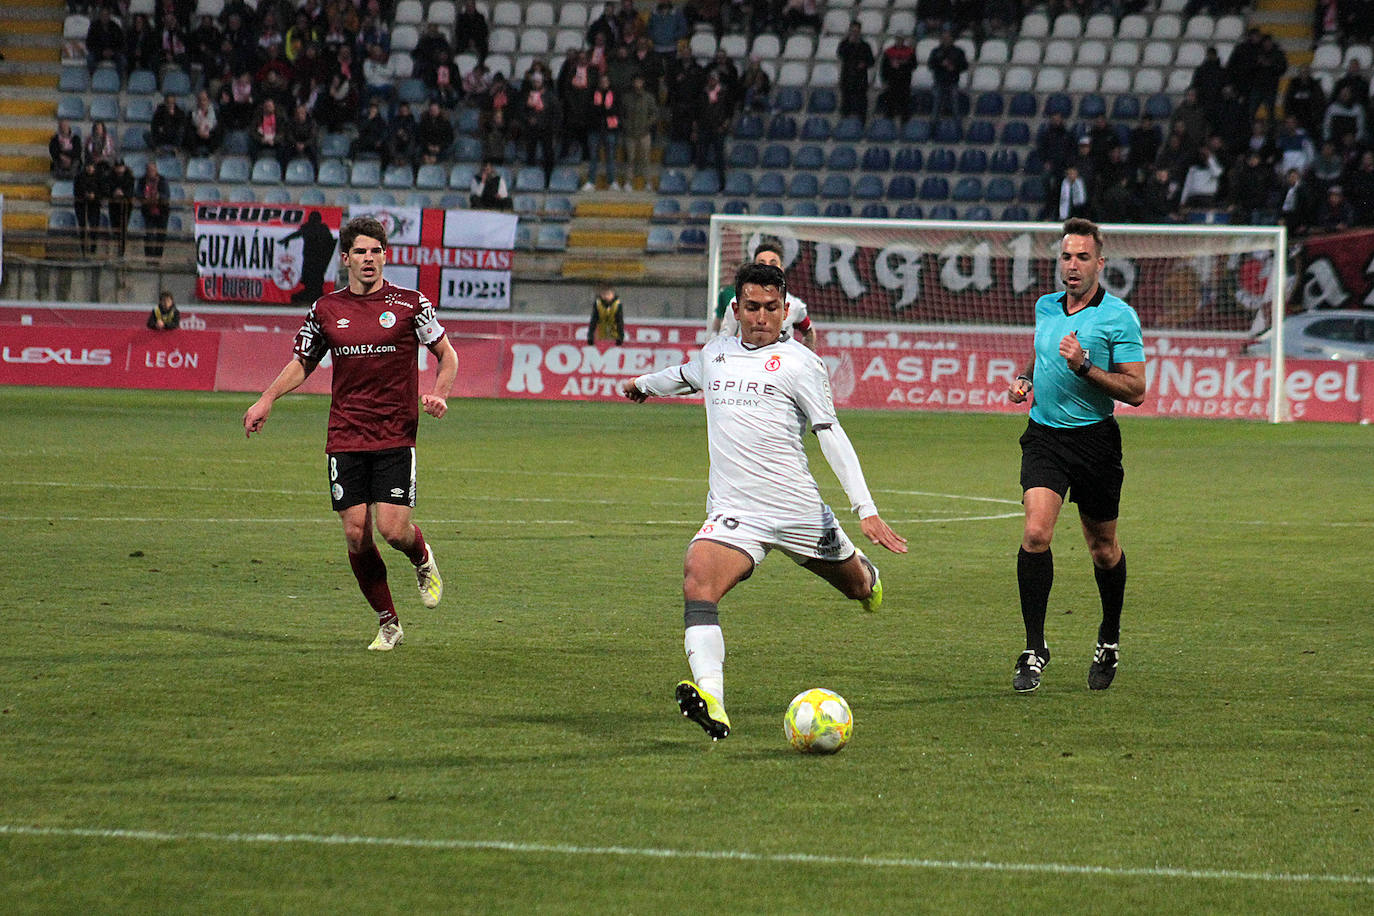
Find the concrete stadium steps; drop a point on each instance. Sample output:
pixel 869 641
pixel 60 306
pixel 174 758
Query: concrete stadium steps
pixel 607 239
pixel 602 268
pixel 25 191
pixel 36 53
pixel 12 79
pixel 628 208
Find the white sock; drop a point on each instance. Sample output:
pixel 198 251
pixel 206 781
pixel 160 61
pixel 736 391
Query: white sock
pixel 705 645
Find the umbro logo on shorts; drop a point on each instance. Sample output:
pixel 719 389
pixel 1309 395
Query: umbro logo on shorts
pixel 397 492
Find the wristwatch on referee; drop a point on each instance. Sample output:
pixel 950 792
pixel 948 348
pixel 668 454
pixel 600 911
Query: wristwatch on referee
pixel 1082 371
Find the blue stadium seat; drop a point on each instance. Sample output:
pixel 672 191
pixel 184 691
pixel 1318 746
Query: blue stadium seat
pixel 990 105
pixel 551 237
pixel 365 174
pixel 922 102
pixel 334 146
pixel 61 220
pixel 276 196
pixel 910 211
pixel 142 82
pixel 1032 190
pixel 63 189
pixel 529 178
pixel 525 206
pixel 901 187
pixel 661 240
pixel 781 127
pixel 776 156
pixel 981 132
pixel 978 213
pixel 1159 107
pixel 842 159
pixel 805 208
pixel 105 108
pixel 941 160
pixel 1125 108
pixel 105 79
pixel 1058 103
pixel 300 171
pixel 1022 105
pixel 241 194
pixel 770 184
pixel 558 209
pixel 348 198
pixel 804 185
pixel 1091 105
pixel 234 169
pixel 738 184
pixel 666 210
pixel 735 207
pixel 431 177
pixel 266 170
pixel 943 211
pixel 1004 161
pixel 235 143
pixel 744 156
pixel 935 188
pixel 133 140
pixel 671 181
pixel 469 120
pixel 469 149
pixel 1001 190
pixel 410 90
pixel 460 177
pixel 868 187
pixel 170 167
pixel 973 160
pixel 917 130
pixel 524 237
pixel 704 181
pixel 677 154
pixel 175 82
pixel 452 201
pixel 312 197
pixel 692 239
pixel 838 209
pixel 1016 133
pixel 809 157
pixel 72 108
pixel 875 211
pixel 968 189
pixel 1016 214
pixel 788 99
pixel 836 185
pixel 700 210
pixel 1033 164
pixel 74 79
pixel 909 159
pixel 416 199
pixel 815 129
pixel 877 159
pixel 769 208
pixel 748 127
pixel 823 101
pixel 948 130
pixel 140 109
pixel 849 130
pixel 566 180
pixel 881 130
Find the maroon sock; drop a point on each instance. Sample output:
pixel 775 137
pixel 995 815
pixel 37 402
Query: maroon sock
pixel 417 551
pixel 370 572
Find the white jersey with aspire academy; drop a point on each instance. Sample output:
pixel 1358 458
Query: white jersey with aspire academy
pixel 796 317
pixel 759 405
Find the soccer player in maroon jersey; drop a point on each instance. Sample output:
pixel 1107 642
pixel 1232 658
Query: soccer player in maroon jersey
pixel 373 332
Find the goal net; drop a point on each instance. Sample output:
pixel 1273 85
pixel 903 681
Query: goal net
pixel 908 303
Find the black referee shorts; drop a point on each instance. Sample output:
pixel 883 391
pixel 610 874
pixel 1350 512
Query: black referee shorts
pixel 1083 462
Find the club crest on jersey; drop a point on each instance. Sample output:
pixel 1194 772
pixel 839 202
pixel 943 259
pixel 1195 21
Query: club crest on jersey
pixel 773 364
pixel 386 319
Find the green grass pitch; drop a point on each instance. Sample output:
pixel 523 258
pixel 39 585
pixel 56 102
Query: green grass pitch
pixel 191 724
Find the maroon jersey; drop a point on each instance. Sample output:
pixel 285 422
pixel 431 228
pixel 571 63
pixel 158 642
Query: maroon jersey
pixel 374 341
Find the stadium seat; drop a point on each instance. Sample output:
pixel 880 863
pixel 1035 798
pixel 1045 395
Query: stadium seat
pixel 61 220
pixel 943 212
pixel 1100 26
pixel 1022 105
pixel 105 108
pixel 71 108
pixel 935 187
pixel 1115 81
pixel 677 154
pixel 671 181
pixel 1124 54
pixel 265 171
pixel 460 176
pixel 525 206
pixel 908 159
pixel 1058 53
pixel 398 177
pixel 868 187
pixel 299 172
pixel 1158 106
pixel 572 15
pixel 788 99
pixel 411 91
pixel 1016 133
pixel 877 159
pixel 838 209
pixel 735 207
pixel 1133 26
pixel 738 184
pixel 849 130
pixel 312 197
pixel 1228 28
pixel 142 82
pixel 809 157
pixel 978 213
pixel 780 127
pixel 989 105
pixel 941 159
pixel 948 130
pixel 105 79
pixel 557 208
pixel 842 159
pixel 276 196
pixel 875 211
pixel 1166 26
pixel 770 184
pixel 1004 162
pixel 910 211
pixel 453 201
pixel 1035 25
pixel 365 174
pixel 234 169
pixel 1067 25
pixel 744 156
pixel 973 161
pixel 200 168
pixel 1162 53
pixel 981 132
pixel 1091 105
pixel 823 101
pixel 409 12
pixel 666 210
pixel 139 110
pixel 967 189
pixel 836 185
pixel 815 129
pixel 700 210
pixel 805 208
pixel 1000 190
pixel 749 127
pixel 74 79
pixel 735 46
pixel 241 194
pixel 1032 190
pixel 333 173
pixel 529 178
pixel 551 237
pixel 175 82
pixel 917 130
pixel 1016 214
pixel 661 240
pixel 804 185
pixel 768 208
pixel 524 237
pixel 692 239
pixel 879 130
pixel 704 181
pixel 776 156
pixel 431 177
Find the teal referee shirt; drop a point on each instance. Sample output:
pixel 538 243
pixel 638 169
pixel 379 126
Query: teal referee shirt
pixel 1108 329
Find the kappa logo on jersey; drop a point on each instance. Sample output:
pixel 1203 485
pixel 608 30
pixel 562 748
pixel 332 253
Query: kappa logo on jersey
pixel 386 319
pixel 341 324
pixel 719 359
pixel 773 364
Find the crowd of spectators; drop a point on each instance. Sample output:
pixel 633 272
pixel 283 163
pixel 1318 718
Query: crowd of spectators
pixel 285 72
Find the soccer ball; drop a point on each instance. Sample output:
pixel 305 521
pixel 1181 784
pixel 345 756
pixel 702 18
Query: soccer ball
pixel 818 721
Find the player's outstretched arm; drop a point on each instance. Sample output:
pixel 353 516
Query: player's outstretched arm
pixel 844 461
pixel 673 380
pixel 877 531
pixel 289 379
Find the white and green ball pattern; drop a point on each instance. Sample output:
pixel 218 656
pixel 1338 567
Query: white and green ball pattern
pixel 818 721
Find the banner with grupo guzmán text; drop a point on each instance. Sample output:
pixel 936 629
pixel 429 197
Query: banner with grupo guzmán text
pixel 271 253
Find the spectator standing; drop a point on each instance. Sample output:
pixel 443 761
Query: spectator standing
pixel 947 64
pixel 172 49
pixel 1252 187
pixel 154 200
pixel 1073 195
pixel 1159 198
pixel 539 118
pixel 1305 99
pixel 686 81
pixel 1345 115
pixel 1270 66
pixel 64 149
pixel 575 87
pixel 88 200
pixel 712 123
pixel 607 25
pixel 1194 119
pixel 608 318
pixel 641 118
pixel 204 46
pixel 1335 213
pixel 1299 204
pixel 897 69
pixel 1208 78
pixel 933 17
pixel 470 32
pixel 856 60
pixel 267 133
pixel 667 26
pixel 1359 83
pixel 119 192
pixel 400 140
pixel 1203 178
pixel 650 65
pixel 379 75
pixel 1144 144
pixel 339 105
pixel 606 125
pixel 1055 144
pixel 372 133
pixel 303 137
pixel 1359 188
pixel 756 88
pixel 801 14
pixel 1295 148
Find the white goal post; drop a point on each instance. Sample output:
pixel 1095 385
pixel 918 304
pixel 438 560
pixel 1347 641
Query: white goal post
pixel 1203 294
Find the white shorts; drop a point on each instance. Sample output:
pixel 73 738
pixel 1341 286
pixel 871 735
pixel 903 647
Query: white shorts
pixel 817 539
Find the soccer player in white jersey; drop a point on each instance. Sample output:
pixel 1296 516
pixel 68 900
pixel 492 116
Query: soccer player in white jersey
pixel 798 323
pixel 762 392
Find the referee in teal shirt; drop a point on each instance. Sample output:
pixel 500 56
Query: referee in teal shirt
pixel 1089 353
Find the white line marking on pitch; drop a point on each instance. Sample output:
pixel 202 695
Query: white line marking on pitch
pixel 730 855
